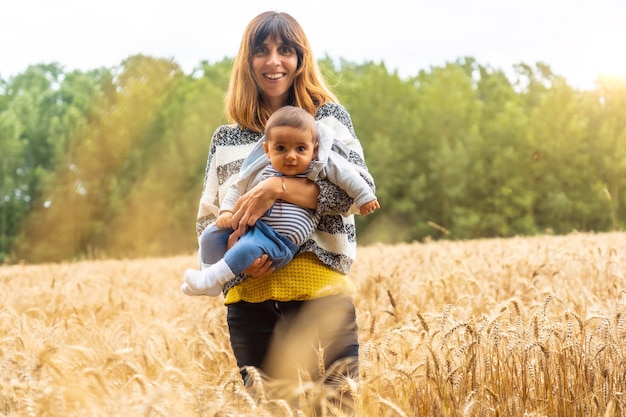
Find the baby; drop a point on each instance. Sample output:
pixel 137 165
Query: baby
pixel 294 146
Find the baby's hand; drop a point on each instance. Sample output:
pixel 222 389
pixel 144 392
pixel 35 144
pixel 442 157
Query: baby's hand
pixel 368 208
pixel 223 220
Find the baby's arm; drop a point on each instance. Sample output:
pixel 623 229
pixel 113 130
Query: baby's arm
pixel 369 207
pixel 356 182
pixel 223 219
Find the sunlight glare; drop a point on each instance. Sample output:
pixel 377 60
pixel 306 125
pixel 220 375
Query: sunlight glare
pixel 600 55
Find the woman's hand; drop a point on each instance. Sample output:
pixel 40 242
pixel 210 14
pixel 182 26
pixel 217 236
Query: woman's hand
pixel 251 206
pixel 261 265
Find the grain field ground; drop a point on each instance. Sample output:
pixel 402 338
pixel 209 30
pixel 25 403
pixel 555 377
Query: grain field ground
pixel 496 327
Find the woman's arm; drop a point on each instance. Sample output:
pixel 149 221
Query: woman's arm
pixel 207 209
pixel 229 147
pixel 253 204
pixel 301 192
pixel 333 199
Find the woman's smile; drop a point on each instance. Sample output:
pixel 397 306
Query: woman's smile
pixel 275 76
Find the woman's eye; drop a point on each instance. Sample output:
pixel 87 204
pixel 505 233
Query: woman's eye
pixel 286 50
pixel 260 50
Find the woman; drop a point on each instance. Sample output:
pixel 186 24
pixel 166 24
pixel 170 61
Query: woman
pixel 290 320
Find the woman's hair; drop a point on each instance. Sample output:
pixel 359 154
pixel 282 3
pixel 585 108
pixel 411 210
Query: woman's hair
pixel 309 91
pixel 291 116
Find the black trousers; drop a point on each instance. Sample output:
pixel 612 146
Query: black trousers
pixel 283 338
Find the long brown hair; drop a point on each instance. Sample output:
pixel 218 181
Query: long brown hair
pixel 309 90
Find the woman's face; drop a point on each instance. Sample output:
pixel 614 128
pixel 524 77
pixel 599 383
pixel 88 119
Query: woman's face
pixel 274 66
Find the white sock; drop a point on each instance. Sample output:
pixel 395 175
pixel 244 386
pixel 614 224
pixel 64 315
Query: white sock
pixel 209 281
pixel 187 290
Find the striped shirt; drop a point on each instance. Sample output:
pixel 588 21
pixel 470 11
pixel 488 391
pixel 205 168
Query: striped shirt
pixel 293 222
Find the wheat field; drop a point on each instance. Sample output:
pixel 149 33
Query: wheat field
pixel 496 327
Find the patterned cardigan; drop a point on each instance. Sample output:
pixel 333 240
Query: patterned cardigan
pixel 334 241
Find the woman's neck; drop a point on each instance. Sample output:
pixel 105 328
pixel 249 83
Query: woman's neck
pixel 275 103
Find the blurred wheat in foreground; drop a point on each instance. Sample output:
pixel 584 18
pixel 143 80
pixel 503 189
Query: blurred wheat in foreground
pixel 496 327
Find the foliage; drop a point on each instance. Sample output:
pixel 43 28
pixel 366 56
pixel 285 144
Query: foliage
pixel 110 162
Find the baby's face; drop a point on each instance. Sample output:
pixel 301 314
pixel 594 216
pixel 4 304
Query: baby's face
pixel 290 150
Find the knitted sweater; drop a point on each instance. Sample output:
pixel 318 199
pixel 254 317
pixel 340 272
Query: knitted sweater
pixel 334 241
pixel 330 163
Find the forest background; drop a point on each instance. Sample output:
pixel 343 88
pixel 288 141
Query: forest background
pixel 110 162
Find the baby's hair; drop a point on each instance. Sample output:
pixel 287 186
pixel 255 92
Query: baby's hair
pixel 292 116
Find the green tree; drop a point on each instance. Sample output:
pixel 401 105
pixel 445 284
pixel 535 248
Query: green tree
pixel 11 203
pixel 505 198
pixel 607 135
pixel 101 165
pixel 31 102
pixel 450 113
pixel 160 209
pixel 384 113
pixel 111 161
pixel 563 175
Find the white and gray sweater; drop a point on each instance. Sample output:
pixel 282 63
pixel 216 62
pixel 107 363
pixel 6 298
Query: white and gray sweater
pixel 334 240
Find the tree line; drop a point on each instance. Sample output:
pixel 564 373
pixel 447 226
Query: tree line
pixel 110 162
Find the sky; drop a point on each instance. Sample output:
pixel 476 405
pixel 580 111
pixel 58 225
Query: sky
pixel 578 39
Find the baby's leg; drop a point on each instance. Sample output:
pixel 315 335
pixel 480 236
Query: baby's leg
pixel 209 281
pixel 213 242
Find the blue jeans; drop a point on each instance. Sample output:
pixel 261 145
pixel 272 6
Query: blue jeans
pixel 258 240
pixel 260 335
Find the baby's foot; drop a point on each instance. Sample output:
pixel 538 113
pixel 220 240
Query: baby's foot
pixel 199 283
pixel 187 290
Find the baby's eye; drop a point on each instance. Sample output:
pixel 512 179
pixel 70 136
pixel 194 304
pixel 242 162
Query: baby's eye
pixel 280 148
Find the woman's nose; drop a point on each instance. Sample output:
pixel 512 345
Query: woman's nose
pixel 273 58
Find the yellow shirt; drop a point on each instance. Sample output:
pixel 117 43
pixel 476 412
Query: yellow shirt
pixel 304 278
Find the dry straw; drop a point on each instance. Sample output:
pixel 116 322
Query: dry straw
pixel 493 327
